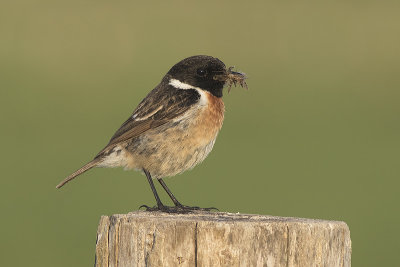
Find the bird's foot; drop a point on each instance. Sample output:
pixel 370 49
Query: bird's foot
pixel 155 208
pixel 187 209
pixel 178 209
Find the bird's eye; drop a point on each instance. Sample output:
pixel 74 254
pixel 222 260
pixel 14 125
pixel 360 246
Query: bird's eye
pixel 201 72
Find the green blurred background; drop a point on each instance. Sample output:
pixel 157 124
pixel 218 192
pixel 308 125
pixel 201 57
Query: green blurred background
pixel 316 136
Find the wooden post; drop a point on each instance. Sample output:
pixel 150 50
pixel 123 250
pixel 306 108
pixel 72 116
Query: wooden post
pixel 220 239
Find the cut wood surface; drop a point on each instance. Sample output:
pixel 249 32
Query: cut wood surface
pixel 220 239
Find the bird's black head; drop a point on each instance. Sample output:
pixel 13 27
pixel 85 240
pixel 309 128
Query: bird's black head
pixel 201 72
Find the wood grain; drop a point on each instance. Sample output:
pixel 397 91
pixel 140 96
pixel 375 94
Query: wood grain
pixel 220 239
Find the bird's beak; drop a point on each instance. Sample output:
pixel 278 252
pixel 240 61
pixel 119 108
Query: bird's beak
pixel 232 78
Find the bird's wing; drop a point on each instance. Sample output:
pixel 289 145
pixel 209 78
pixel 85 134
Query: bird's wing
pixel 156 109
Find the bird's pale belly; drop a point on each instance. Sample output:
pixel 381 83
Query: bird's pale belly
pixel 167 158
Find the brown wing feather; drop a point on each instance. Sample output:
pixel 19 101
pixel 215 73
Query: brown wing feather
pixel 174 102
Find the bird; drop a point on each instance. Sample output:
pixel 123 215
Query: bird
pixel 173 128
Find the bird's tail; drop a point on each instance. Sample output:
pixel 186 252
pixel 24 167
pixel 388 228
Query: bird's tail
pixel 83 169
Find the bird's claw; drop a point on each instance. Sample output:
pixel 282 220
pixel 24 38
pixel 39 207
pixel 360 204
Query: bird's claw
pixel 178 209
pixel 195 208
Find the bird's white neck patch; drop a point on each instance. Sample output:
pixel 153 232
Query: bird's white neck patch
pixel 180 85
pixel 184 86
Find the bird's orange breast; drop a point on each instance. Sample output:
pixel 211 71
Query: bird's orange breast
pixel 212 117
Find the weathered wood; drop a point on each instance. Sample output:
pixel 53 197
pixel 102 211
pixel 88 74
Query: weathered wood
pixel 220 239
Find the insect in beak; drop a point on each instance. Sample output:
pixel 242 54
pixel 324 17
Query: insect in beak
pixel 232 78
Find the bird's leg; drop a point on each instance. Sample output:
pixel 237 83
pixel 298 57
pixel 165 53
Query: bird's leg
pixel 178 205
pixel 160 205
pixel 173 198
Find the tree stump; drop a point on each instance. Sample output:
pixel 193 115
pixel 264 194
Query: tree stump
pixel 220 239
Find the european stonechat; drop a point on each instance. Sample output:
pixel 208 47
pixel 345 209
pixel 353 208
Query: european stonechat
pixel 174 127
